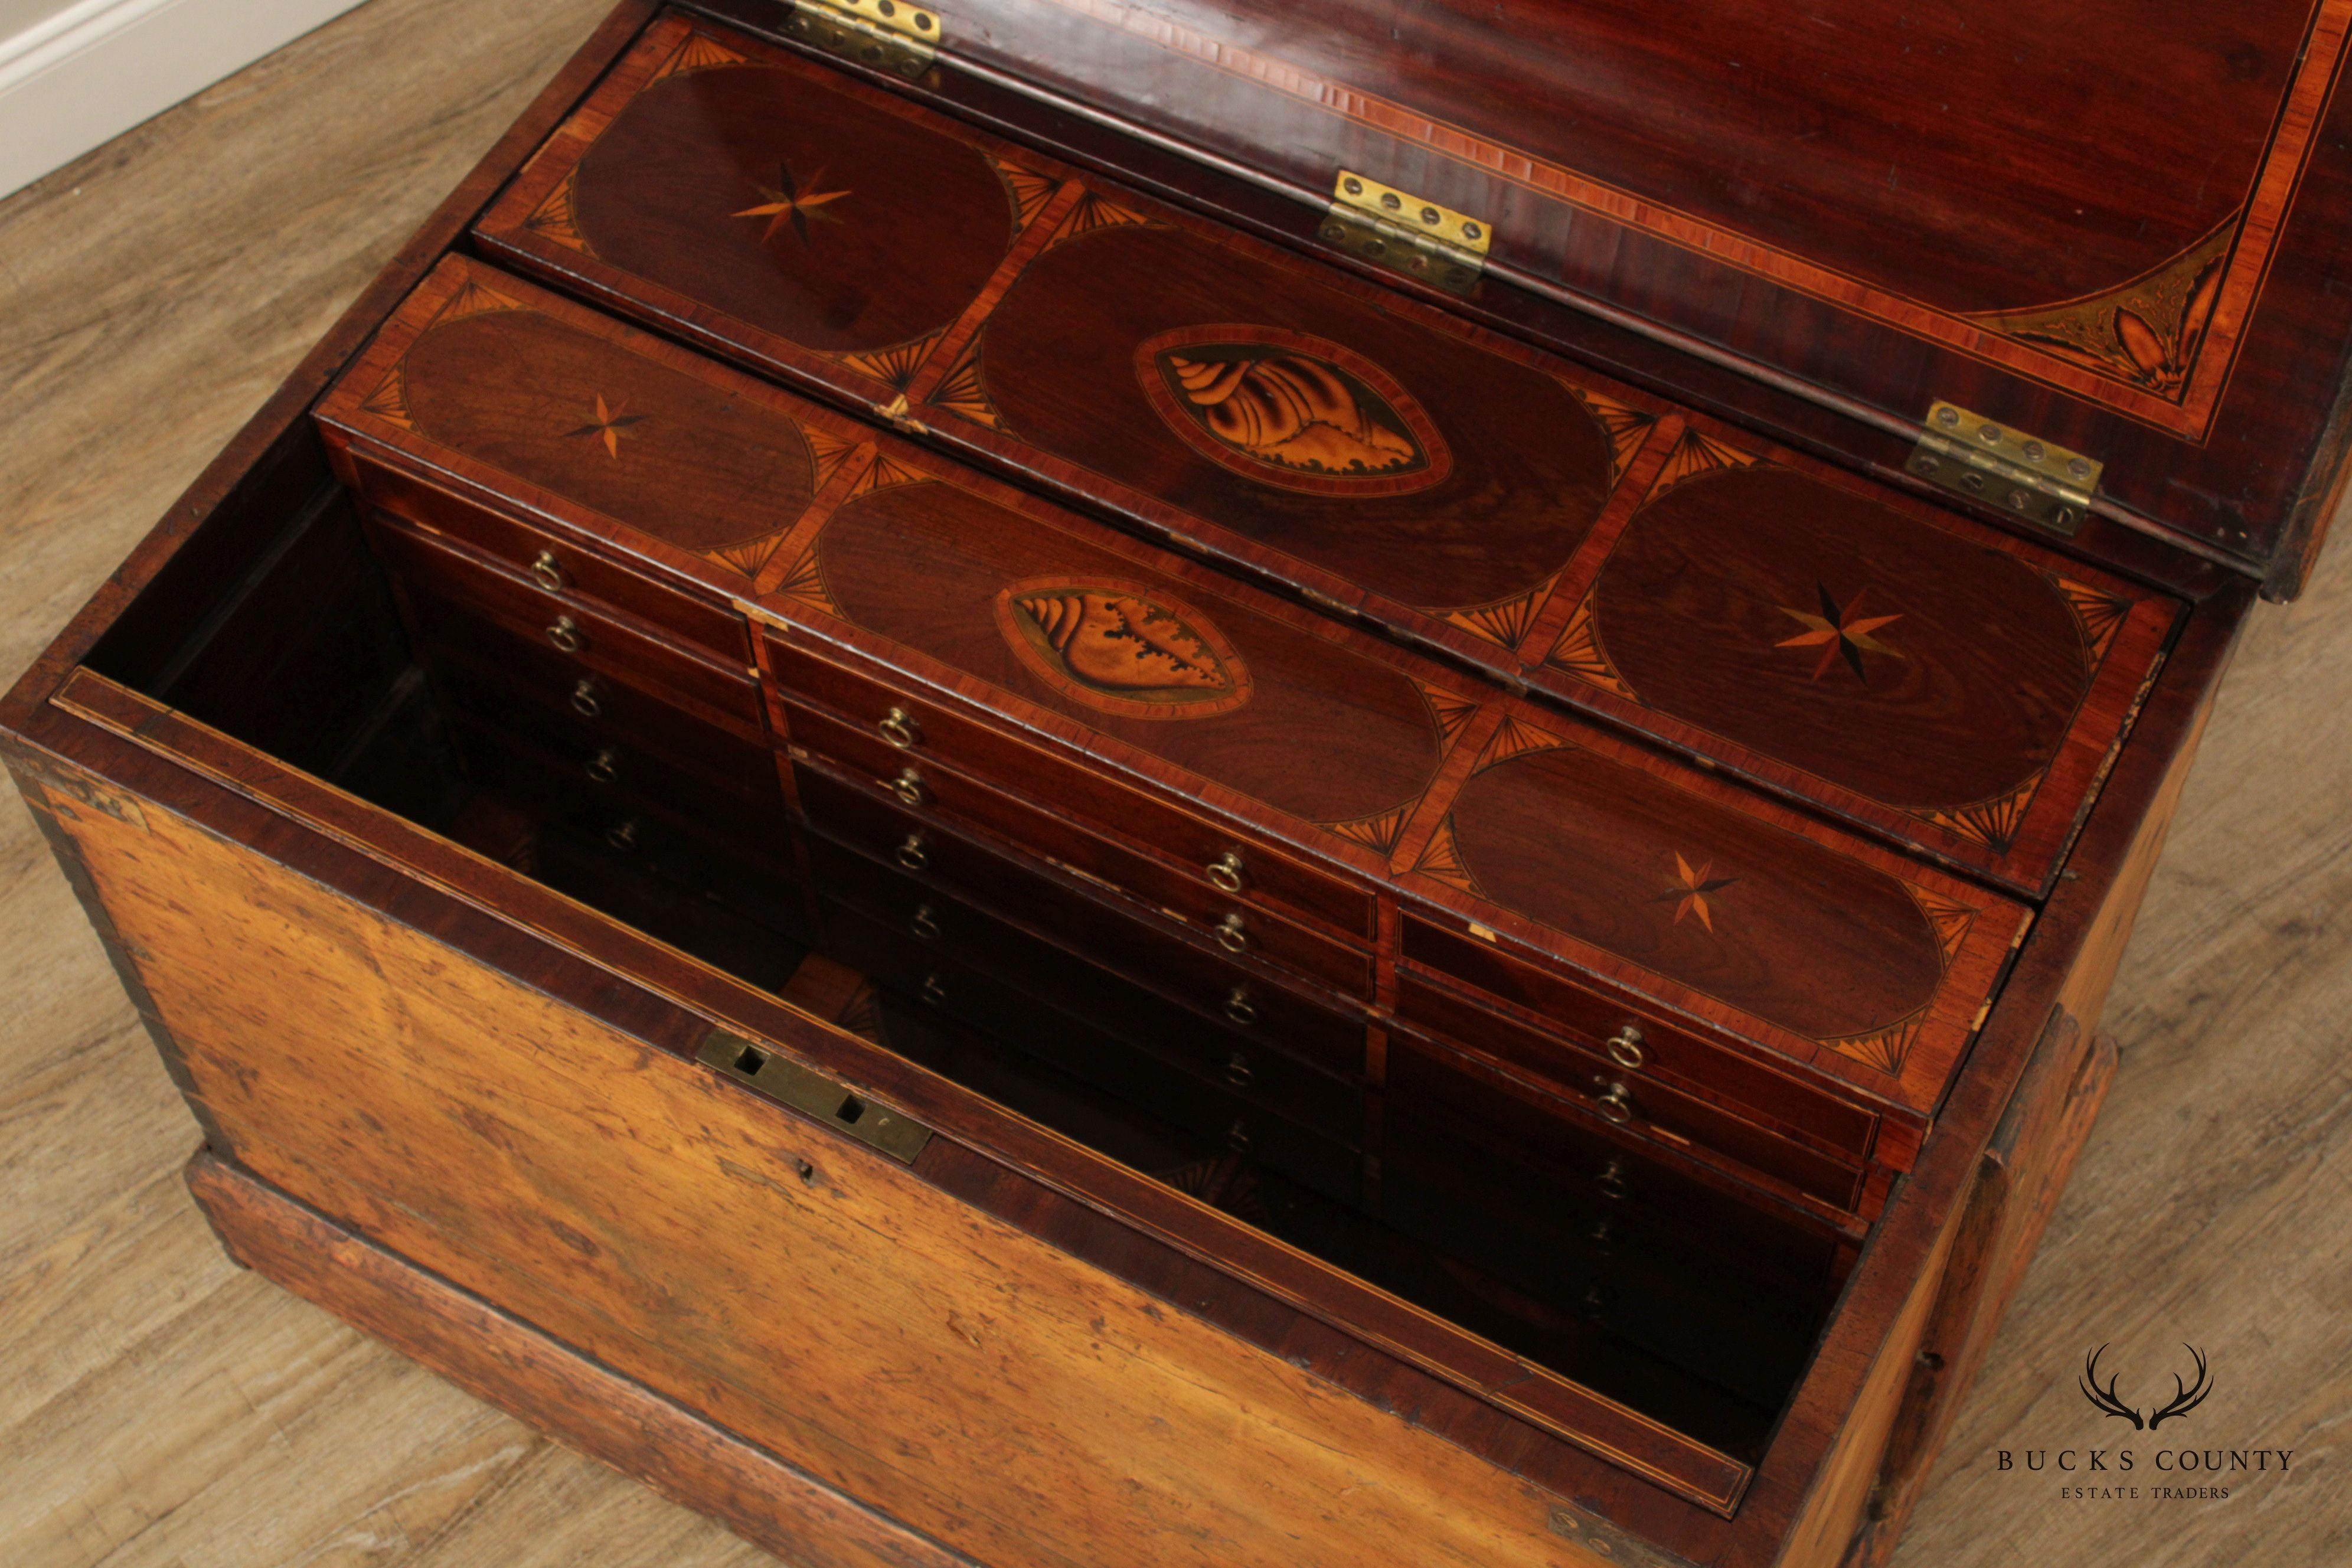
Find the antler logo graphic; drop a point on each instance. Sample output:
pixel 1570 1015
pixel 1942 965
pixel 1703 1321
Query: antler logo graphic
pixel 2185 1398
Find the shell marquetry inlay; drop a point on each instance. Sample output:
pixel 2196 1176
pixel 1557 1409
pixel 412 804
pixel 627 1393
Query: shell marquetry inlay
pixel 1115 647
pixel 1291 411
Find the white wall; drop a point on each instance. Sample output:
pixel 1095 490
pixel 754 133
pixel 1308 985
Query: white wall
pixel 77 73
pixel 16 15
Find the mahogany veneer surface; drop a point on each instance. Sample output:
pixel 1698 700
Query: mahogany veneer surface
pixel 1990 208
pixel 1778 931
pixel 1934 680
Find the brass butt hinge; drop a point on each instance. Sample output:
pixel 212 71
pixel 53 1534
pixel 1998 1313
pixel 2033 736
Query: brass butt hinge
pixel 888 35
pixel 1400 231
pixel 813 1094
pixel 2006 468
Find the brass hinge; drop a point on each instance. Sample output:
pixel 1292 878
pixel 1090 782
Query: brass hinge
pixel 2005 468
pixel 789 1083
pixel 888 35
pixel 1402 232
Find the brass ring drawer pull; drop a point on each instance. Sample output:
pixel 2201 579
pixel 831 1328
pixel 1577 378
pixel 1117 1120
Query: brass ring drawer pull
pixel 1232 933
pixel 935 991
pixel 911 853
pixel 1239 1008
pixel 924 923
pixel 898 728
pixel 585 702
pixel 1238 1071
pixel 565 635
pixel 908 786
pixel 1225 871
pixel 1612 1180
pixel 622 836
pixel 1617 1105
pixel 604 767
pixel 1237 1137
pixel 1625 1048
pixel 548 575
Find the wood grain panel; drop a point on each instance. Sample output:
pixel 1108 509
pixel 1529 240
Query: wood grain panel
pixel 1507 508
pixel 649 1213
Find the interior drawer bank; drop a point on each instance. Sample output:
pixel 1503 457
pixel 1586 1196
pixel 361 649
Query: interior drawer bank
pixel 1934 680
pixel 1013 628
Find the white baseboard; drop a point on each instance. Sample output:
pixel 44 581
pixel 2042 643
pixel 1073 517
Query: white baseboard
pixel 88 74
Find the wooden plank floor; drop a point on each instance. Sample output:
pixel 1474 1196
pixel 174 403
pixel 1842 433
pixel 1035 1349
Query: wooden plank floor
pixel 158 1409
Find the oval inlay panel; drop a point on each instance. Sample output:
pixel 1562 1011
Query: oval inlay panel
pixel 1296 412
pixel 1326 734
pixel 1117 647
pixel 1526 466
pixel 657 448
pixel 1768 921
pixel 1812 623
pixel 828 221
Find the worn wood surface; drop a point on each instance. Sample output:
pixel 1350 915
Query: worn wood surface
pixel 166 1409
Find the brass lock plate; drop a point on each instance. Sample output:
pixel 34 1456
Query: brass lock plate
pixel 813 1094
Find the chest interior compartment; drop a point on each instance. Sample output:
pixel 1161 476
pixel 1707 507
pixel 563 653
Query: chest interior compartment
pixel 1538 855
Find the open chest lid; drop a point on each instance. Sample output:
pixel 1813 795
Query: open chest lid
pixel 2112 230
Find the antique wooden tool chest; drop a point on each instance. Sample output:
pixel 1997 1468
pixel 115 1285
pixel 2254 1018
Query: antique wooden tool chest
pixel 1069 783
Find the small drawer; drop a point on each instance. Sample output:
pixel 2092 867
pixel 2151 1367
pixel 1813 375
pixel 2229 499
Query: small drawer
pixel 597 641
pixel 1655 1112
pixel 861 704
pixel 1624 1264
pixel 1251 1070
pixel 1572 1014
pixel 593 712
pixel 1086 924
pixel 856 814
pixel 1548 1128
pixel 1129 994
pixel 1447 1179
pixel 558 565
pixel 1191 891
pixel 607 785
pixel 1254 1120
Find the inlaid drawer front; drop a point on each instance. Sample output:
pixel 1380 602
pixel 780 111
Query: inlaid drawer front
pixel 880 729
pixel 1585 1044
pixel 589 711
pixel 1120 979
pixel 557 565
pixel 860 815
pixel 1290 1115
pixel 599 642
